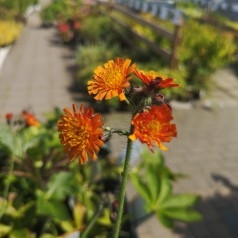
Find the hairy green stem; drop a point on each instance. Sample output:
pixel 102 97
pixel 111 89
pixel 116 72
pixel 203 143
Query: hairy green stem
pixel 123 186
pixel 7 187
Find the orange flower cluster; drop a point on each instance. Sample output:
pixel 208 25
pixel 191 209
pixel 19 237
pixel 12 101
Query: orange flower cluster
pixel 81 131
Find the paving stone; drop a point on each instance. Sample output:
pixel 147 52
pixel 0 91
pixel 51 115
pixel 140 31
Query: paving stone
pixel 219 230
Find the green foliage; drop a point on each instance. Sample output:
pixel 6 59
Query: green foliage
pixel 96 28
pixel 19 6
pixel 88 57
pixel 177 93
pixel 48 196
pixel 60 10
pixel 153 181
pixel 203 54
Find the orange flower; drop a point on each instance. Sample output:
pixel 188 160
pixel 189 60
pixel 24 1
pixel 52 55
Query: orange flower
pixel 151 77
pixel 110 81
pixel 153 126
pixel 9 116
pixel 80 132
pixel 30 119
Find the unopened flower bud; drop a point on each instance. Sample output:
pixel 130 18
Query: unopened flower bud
pixel 113 216
pixel 159 98
pixel 115 206
pixel 106 136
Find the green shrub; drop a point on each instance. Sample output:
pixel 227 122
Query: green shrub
pixel 89 56
pixel 95 28
pixel 60 9
pixel 202 51
pixel 19 6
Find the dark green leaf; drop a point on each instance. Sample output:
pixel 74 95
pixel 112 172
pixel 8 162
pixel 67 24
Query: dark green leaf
pixel 166 221
pixel 61 184
pixel 53 208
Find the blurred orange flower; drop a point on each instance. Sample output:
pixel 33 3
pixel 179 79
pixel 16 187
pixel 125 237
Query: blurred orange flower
pixel 80 133
pixel 149 77
pixel 110 81
pixel 153 126
pixel 9 116
pixel 30 119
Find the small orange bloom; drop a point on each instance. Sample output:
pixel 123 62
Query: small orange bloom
pixel 30 119
pixel 9 116
pixel 153 126
pixel 80 133
pixel 149 76
pixel 110 81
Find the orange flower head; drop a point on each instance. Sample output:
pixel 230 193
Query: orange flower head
pixel 30 119
pixel 80 132
pixel 9 116
pixel 110 81
pixel 153 126
pixel 152 77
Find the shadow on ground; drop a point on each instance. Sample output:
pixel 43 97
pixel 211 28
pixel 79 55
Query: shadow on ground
pixel 220 214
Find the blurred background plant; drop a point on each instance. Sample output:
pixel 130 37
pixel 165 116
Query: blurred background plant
pixel 43 194
pixel 15 8
pixel 9 32
pixel 98 40
pixel 12 15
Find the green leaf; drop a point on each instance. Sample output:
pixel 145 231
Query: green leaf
pixel 4 230
pixel 181 200
pixel 166 221
pixel 105 219
pixel 47 236
pixel 6 139
pixel 53 208
pixel 183 214
pixel 153 181
pixel 165 191
pixel 66 225
pixel 79 212
pixel 22 232
pixel 60 185
pixel 141 187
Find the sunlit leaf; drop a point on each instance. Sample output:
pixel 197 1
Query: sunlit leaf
pixel 105 219
pixel 180 200
pixel 4 230
pixel 79 212
pixel 183 214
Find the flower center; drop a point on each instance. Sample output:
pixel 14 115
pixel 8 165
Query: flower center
pixel 113 78
pixel 78 134
pixel 154 125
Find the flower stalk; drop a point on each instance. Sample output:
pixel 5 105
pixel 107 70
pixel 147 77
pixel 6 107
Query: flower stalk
pixel 92 222
pixel 123 186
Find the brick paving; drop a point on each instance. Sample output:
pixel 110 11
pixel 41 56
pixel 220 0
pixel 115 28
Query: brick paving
pixel 36 75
